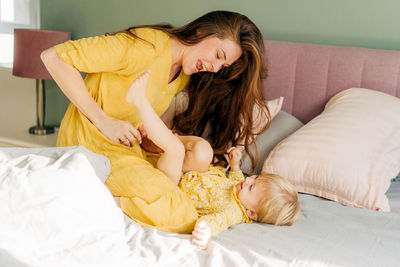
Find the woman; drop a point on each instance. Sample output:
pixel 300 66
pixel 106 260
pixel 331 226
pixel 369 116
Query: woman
pixel 221 52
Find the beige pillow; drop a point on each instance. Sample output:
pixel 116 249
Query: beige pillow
pixel 349 153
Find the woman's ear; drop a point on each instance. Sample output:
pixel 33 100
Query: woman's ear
pixel 251 214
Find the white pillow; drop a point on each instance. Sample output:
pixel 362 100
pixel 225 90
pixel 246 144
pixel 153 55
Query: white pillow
pixel 349 153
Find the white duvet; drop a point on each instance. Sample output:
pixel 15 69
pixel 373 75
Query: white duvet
pixel 56 211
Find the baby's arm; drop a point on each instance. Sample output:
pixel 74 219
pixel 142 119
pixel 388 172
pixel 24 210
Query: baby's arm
pixel 171 161
pixel 235 154
pixel 212 224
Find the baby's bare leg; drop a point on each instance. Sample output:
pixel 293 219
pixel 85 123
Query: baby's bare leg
pixel 137 91
pixel 198 153
pixel 172 159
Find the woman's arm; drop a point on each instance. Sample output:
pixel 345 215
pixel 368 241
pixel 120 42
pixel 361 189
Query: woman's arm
pixel 71 83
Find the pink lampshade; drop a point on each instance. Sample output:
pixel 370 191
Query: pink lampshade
pixel 28 44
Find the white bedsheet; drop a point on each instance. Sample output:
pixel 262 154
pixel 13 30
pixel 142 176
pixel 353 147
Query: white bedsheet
pixel 55 211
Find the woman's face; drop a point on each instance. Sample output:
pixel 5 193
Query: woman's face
pixel 210 55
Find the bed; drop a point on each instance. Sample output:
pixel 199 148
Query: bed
pixel 55 210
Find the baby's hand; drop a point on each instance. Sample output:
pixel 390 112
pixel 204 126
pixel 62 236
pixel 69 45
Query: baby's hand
pixel 235 154
pixel 137 91
pixel 201 234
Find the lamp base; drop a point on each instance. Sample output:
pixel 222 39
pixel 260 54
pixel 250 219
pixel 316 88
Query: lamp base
pixel 37 130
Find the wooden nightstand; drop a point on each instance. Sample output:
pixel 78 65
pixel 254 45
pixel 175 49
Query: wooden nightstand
pixel 22 138
pixel 18 112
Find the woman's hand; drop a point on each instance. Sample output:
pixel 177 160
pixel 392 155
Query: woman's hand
pixel 201 234
pixel 119 131
pixel 235 155
pixel 147 144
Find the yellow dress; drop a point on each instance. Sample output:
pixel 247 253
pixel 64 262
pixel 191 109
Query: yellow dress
pixel 215 198
pixel 112 63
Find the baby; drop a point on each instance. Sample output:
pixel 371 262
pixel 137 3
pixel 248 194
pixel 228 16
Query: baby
pixel 225 201
pixel 220 201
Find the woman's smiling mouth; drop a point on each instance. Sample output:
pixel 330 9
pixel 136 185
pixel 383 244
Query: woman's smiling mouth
pixel 200 66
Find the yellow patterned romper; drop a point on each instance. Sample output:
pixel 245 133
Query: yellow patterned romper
pixel 112 63
pixel 215 198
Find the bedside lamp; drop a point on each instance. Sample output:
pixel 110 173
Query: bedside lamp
pixel 28 44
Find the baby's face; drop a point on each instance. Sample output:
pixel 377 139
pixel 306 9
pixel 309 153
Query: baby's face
pixel 247 192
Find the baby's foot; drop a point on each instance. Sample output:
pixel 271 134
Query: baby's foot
pixel 137 91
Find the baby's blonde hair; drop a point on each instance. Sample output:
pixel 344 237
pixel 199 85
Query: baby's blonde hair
pixel 277 201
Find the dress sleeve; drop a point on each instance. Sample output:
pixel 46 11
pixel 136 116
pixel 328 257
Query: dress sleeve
pixel 236 176
pixel 220 221
pixel 111 53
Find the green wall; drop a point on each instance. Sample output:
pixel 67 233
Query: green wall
pixel 366 23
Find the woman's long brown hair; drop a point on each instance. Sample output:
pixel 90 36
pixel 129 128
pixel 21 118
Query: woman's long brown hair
pixel 223 102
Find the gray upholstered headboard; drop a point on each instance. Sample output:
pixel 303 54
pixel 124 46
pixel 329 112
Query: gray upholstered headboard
pixel 307 75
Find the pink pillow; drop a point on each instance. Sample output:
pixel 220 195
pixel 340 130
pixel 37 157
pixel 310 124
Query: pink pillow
pixel 349 153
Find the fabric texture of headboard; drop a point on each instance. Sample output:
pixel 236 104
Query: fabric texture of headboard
pixel 308 75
